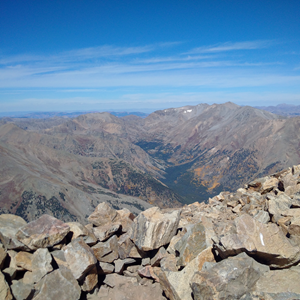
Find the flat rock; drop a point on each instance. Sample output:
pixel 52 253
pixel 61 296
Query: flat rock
pixel 80 258
pixel 5 293
pixel 115 280
pixel 154 228
pixel 131 291
pixel 9 226
pixel 279 281
pixel 266 242
pixel 106 268
pixel 43 232
pixel 229 279
pixel 22 291
pixel 103 215
pixel 59 284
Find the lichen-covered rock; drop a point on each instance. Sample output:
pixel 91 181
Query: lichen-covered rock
pixel 43 232
pixel 228 279
pixel 154 228
pixel 191 244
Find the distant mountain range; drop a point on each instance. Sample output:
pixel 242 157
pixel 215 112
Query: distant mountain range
pixel 283 109
pixel 67 166
pixel 46 115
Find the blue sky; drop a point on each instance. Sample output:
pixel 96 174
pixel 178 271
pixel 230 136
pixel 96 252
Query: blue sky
pixel 137 55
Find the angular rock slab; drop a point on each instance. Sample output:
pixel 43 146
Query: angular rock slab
pixel 107 251
pixel 180 281
pixel 265 242
pixel 9 226
pixel 60 284
pixel 79 230
pixel 125 217
pixel 3 255
pixel 91 280
pixel 43 232
pixel 104 232
pixel 79 257
pixel 165 284
pixel 24 260
pixel 154 228
pixel 41 265
pixel 229 279
pixel 21 290
pixel 191 244
pixel 102 215
pixel 5 293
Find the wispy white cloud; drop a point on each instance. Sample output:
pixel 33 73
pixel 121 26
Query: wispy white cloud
pixel 90 70
pixel 83 54
pixel 229 46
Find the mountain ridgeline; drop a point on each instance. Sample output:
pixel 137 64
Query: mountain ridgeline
pixel 67 166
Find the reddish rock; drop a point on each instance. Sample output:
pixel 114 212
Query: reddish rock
pixel 43 232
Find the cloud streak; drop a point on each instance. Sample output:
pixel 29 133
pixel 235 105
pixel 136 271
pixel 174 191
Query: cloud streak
pixel 229 46
pixel 90 70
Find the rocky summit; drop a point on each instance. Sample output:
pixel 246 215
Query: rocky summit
pixel 239 245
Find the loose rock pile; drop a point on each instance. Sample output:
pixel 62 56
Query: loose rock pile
pixel 243 245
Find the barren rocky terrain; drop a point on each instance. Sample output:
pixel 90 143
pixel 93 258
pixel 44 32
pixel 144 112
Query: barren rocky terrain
pixel 67 166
